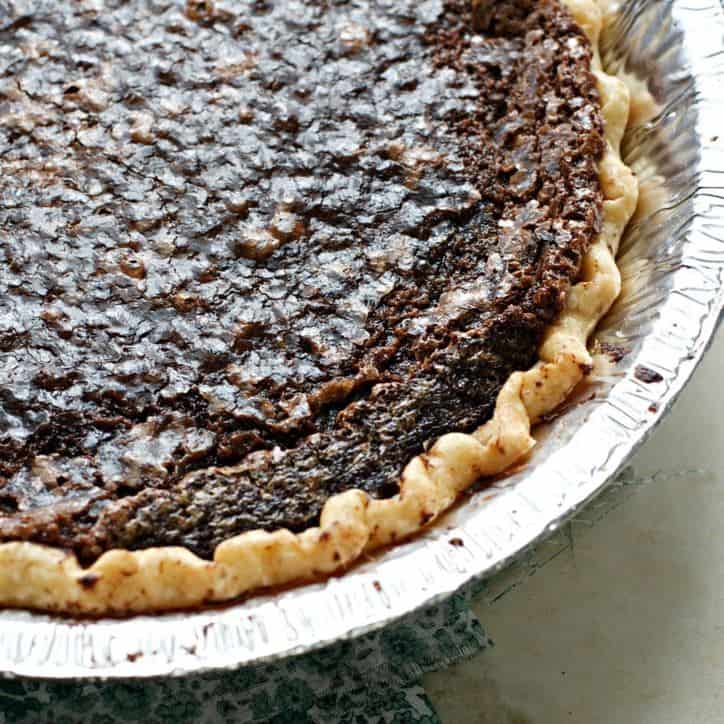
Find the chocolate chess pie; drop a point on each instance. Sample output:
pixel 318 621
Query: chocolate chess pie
pixel 280 280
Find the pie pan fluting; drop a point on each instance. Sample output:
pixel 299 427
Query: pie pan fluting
pixel 672 261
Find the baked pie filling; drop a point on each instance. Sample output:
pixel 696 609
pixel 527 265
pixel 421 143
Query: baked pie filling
pixel 256 254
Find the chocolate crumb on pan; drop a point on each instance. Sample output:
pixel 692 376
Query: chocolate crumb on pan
pixel 647 375
pixel 615 352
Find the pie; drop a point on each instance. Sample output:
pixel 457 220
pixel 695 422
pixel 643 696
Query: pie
pixel 280 280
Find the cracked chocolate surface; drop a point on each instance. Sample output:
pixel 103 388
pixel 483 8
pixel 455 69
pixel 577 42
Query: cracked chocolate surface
pixel 258 253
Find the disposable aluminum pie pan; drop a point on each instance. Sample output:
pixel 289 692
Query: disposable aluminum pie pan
pixel 672 260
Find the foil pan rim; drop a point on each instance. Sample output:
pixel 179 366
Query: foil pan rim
pixel 674 267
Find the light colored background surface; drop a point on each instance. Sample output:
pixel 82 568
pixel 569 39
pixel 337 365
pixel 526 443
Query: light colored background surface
pixel 628 626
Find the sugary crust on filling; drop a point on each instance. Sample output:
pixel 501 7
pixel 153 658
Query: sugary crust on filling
pixel 352 523
pixel 429 225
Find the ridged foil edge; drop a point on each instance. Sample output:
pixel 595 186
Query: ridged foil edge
pixel 673 267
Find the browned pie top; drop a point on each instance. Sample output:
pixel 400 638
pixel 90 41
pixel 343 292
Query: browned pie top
pixel 257 253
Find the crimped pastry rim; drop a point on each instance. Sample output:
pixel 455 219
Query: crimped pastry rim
pixel 352 524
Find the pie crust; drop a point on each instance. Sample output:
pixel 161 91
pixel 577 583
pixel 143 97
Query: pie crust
pixel 352 524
